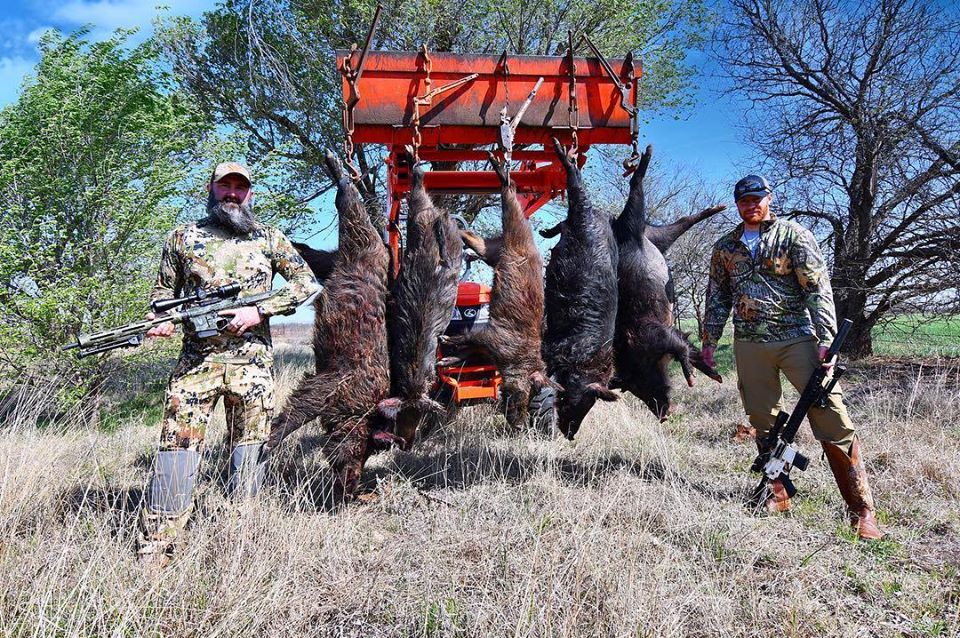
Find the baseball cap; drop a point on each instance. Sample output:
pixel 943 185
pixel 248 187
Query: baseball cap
pixel 755 185
pixel 230 168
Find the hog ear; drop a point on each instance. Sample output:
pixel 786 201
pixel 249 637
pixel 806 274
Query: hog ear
pixel 428 405
pixel 601 392
pixel 540 380
pixel 389 408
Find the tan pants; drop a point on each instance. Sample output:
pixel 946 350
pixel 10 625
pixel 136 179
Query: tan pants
pixel 758 371
pixel 192 394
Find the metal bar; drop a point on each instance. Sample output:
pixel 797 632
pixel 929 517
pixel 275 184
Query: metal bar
pixel 526 104
pixel 603 62
pixel 427 98
pixel 366 45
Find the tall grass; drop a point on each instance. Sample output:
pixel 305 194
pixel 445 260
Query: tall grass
pixel 635 529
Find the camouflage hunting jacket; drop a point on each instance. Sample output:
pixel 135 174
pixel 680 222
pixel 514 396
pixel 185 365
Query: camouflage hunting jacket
pixel 779 294
pixel 204 255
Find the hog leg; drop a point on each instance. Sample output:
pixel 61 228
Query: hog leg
pixel 553 231
pixel 696 358
pixel 321 262
pixel 678 347
pixel 663 236
pixel 487 249
pixel 310 400
pixel 632 221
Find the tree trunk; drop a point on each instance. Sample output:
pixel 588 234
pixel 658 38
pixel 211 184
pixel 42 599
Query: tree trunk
pixel 859 341
pixel 850 299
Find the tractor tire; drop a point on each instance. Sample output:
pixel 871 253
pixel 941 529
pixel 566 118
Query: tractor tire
pixel 543 410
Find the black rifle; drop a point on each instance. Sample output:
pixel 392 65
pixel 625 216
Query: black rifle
pixel 203 315
pixel 781 455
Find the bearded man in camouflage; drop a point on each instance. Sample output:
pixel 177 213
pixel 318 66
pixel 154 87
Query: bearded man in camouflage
pixel 226 247
pixel 772 274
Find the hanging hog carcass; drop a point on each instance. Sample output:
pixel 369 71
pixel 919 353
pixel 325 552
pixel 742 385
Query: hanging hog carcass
pixel 421 303
pixel 646 340
pixel 349 342
pixel 581 304
pixel 514 332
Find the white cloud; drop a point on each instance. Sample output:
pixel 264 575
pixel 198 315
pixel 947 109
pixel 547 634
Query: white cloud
pixel 12 72
pixel 34 36
pixel 105 15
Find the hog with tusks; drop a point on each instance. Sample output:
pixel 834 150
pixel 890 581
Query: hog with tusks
pixel 349 341
pixel 581 304
pixel 513 335
pixel 422 299
pixel 646 340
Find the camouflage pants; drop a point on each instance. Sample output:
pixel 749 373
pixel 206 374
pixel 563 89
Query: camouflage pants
pixel 192 394
pixel 758 378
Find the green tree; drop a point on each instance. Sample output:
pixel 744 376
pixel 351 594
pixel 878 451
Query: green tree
pixel 93 159
pixel 267 68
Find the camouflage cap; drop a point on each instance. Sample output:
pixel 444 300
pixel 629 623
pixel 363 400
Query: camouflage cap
pixel 230 168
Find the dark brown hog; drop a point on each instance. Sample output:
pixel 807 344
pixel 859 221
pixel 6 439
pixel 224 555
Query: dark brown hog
pixel 421 303
pixel 512 336
pixel 321 262
pixel 349 342
pixel 646 340
pixel 581 305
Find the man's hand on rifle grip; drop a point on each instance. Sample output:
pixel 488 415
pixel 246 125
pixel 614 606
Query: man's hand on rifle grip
pixel 822 351
pixel 243 319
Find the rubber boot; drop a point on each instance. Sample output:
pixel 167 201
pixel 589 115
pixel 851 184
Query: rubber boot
pixel 168 505
pixel 851 478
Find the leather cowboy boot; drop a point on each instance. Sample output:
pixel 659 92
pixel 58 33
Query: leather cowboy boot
pixel 777 500
pixel 851 478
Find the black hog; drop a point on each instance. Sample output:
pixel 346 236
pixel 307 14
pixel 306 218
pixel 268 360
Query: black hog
pixel 581 305
pixel 512 336
pixel 349 343
pixel 646 340
pixel 421 303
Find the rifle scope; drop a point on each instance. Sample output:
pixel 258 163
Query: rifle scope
pixel 201 296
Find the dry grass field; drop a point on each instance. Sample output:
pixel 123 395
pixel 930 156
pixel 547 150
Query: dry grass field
pixel 636 529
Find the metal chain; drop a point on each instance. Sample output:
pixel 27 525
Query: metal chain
pixel 427 82
pixel 630 164
pixel 349 123
pixel 573 109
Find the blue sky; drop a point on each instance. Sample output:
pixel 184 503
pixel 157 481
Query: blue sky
pixel 23 22
pixel 705 140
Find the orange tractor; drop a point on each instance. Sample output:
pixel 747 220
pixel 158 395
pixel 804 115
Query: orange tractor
pixel 450 108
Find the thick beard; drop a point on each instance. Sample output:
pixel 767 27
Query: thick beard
pixel 237 218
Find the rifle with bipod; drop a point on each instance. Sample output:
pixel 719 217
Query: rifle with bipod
pixel 202 315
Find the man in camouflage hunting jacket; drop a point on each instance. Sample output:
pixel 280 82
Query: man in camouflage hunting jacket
pixel 771 273
pixel 226 247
